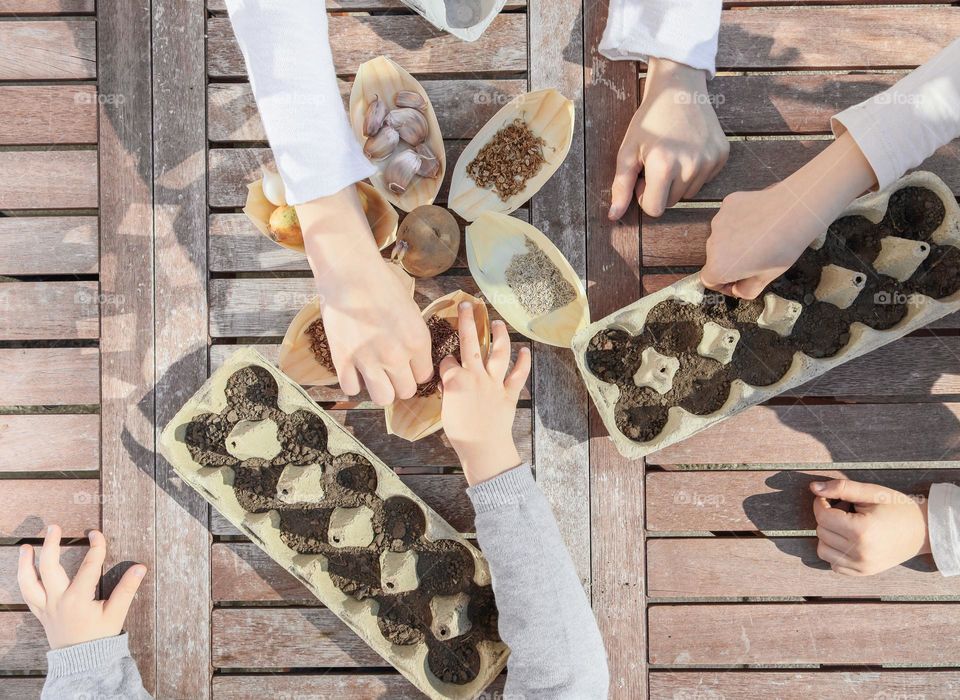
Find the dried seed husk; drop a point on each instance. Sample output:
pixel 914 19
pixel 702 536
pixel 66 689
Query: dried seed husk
pixel 296 356
pixel 492 241
pixel 381 77
pixel 375 116
pixel 428 241
pixel 383 144
pixel 409 123
pixel 381 216
pixel 549 115
pixel 415 418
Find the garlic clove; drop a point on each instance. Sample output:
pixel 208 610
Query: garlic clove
pixel 375 116
pixel 383 144
pixel 429 164
pixel 409 98
pixel 400 171
pixel 409 123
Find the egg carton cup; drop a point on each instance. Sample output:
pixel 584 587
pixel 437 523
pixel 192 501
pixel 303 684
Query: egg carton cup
pixel 898 259
pixel 251 419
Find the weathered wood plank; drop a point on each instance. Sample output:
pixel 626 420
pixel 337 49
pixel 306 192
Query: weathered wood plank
pixel 47 7
pixel 219 353
pixel 346 686
pixel 368 5
pixel 55 50
pixel 128 379
pixel 742 501
pixel 462 107
pixel 445 493
pixel 612 266
pixel 70 558
pixel 48 114
pixel 231 169
pixel 48 245
pixel 30 505
pixel 49 310
pixel 799 685
pixel 180 218
pixel 265 306
pixel 299 638
pixel 18 687
pixel 688 635
pixel 859 37
pixel 48 443
pixel 49 376
pixel 23 644
pixel 407 39
pixel 779 566
pixel 811 434
pixel 48 179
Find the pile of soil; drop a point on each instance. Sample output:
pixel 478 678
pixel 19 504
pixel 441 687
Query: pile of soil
pixel 444 567
pixel 701 385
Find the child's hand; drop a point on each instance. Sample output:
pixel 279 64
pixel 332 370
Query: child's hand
pixel 885 528
pixel 674 137
pixel 70 612
pixel 480 400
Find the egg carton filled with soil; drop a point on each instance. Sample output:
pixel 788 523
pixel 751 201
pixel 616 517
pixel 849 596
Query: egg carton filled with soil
pixel 339 520
pixel 684 358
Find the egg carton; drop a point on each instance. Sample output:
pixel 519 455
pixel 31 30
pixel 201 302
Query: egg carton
pixel 339 520
pixel 684 358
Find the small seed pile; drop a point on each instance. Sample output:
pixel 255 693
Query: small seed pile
pixel 319 345
pixel 537 282
pixel 444 340
pixel 513 156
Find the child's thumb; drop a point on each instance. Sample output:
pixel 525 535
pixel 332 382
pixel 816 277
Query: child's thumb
pixel 122 597
pixel 851 491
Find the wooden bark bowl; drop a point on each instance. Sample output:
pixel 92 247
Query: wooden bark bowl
pixel 382 78
pixel 492 241
pixel 550 116
pixel 862 339
pixel 419 416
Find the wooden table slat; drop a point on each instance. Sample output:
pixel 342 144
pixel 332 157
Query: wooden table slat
pixel 49 443
pixel 30 505
pixel 49 376
pixel 48 245
pixel 48 114
pixel 54 50
pixel 348 687
pixel 23 645
pixel 70 558
pixel 49 310
pixel 368 5
pixel 44 7
pixel 48 179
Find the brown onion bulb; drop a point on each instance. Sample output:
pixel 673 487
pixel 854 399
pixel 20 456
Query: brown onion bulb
pixel 428 241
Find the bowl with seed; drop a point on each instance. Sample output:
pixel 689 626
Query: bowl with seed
pixel 392 117
pixel 526 279
pixel 513 155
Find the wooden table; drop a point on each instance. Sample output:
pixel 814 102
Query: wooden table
pixel 127 134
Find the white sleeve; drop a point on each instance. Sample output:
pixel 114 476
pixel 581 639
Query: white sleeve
pixel 902 126
pixel 684 31
pixel 943 527
pixel 287 50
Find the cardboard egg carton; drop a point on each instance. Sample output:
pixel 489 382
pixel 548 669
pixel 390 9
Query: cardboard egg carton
pixel 340 521
pixel 684 358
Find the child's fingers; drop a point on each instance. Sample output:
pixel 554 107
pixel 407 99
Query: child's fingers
pixel 832 539
pixel 448 368
pixel 856 491
pixel 628 167
pixel 55 579
pixel 500 352
pixel 469 342
pixel 833 556
pixel 88 575
pixel 30 588
pixel 833 519
pixel 659 178
pixel 749 288
pixel 518 375
pixel 118 604
pixel 349 379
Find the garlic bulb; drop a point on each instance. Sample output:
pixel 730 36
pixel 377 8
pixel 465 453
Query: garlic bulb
pixel 409 98
pixel 375 116
pixel 409 123
pixel 400 171
pixel 383 144
pixel 273 188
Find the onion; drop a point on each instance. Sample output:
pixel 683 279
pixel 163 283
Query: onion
pixel 428 241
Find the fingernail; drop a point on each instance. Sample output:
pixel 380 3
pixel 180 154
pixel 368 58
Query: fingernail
pixel 139 571
pixel 498 322
pixel 611 213
pixel 24 551
pixel 49 529
pixel 819 486
pixel 465 305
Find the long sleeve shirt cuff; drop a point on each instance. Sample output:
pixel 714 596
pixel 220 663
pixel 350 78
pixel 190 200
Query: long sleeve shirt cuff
pixel 903 125
pixel 81 658
pixel 943 527
pixel 684 31
pixel 507 489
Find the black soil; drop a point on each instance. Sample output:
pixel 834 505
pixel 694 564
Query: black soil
pixel 444 567
pixel 701 385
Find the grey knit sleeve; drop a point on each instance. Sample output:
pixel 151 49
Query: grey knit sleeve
pixel 102 668
pixel 555 647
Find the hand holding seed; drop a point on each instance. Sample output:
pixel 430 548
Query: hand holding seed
pixel 885 527
pixel 69 611
pixel 480 400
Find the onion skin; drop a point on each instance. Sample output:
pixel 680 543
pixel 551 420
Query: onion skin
pixel 428 241
pixel 284 226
